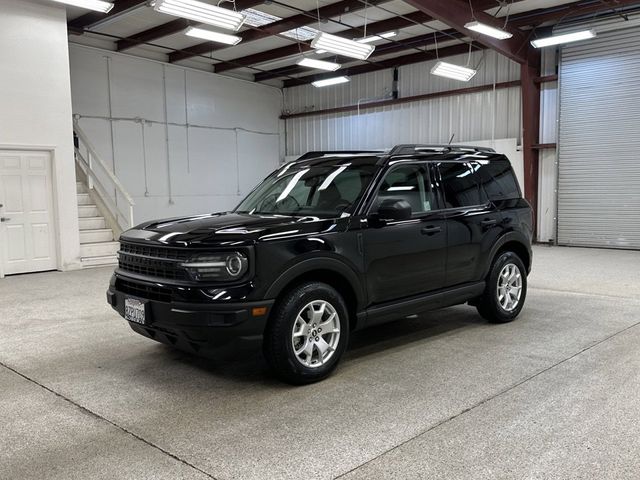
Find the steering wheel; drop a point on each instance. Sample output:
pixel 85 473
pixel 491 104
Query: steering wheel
pixel 271 203
pixel 342 206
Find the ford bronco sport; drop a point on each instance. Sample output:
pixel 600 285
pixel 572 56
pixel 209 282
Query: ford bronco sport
pixel 331 243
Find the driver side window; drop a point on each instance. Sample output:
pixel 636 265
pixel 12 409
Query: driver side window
pixel 409 183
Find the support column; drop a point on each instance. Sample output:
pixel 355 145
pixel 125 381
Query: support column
pixel 531 129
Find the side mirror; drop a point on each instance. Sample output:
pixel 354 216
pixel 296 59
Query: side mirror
pixel 394 209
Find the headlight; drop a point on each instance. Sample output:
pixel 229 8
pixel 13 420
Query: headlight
pixel 219 267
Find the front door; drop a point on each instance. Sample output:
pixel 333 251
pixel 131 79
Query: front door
pixel 405 258
pixel 27 233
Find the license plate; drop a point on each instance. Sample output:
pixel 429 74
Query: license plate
pixel 134 310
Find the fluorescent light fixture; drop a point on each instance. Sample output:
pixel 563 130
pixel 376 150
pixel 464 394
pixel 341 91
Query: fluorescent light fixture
pixel 201 12
pixel 330 81
pixel 342 46
pixel 97 5
pixel 370 39
pixel 563 38
pixel 485 29
pixel 449 70
pixel 319 64
pixel 375 38
pixel 212 36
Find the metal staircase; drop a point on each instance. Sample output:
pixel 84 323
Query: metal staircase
pixel 105 208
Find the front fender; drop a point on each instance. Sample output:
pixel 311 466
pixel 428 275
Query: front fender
pixel 324 263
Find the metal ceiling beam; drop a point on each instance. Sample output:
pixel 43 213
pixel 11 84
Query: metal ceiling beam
pixel 394 23
pixel 530 18
pixel 456 13
pixel 568 10
pixel 286 24
pixel 388 63
pixel 283 52
pixel 120 7
pixel 174 26
pixel 419 41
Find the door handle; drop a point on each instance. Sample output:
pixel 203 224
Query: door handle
pixel 4 219
pixel 488 222
pixel 430 230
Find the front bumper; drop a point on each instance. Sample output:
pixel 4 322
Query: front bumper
pixel 195 326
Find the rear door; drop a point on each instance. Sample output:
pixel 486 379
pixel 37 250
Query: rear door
pixel 405 258
pixel 474 223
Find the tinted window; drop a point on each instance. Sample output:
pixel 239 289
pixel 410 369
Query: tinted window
pixel 462 185
pixel 498 180
pixel 410 183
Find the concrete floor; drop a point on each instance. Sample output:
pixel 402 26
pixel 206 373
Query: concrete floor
pixel 553 395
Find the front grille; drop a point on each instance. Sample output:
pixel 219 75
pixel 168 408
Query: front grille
pixel 148 292
pixel 151 261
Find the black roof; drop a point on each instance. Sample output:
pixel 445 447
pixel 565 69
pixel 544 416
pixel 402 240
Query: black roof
pixel 408 151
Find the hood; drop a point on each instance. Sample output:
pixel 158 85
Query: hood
pixel 224 229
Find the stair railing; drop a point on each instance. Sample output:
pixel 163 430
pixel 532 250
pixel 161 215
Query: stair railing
pixel 101 180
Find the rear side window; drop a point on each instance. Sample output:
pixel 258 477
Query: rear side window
pixel 498 180
pixel 462 184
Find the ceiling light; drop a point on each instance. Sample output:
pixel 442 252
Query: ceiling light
pixel 563 38
pixel 330 81
pixel 342 46
pixel 201 12
pixel 488 30
pixel 449 70
pixel 320 64
pixel 375 38
pixel 212 36
pixel 97 5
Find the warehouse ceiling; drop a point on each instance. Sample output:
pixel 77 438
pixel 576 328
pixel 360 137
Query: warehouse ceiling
pixel 278 33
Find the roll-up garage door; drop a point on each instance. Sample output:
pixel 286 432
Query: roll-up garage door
pixel 599 142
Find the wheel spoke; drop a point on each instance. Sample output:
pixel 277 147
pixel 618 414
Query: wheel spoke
pixel 328 322
pixel 302 348
pixel 318 314
pixel 322 347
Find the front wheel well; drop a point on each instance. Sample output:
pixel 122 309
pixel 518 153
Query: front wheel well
pixel 335 280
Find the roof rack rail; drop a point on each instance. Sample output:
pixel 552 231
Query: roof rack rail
pixel 409 149
pixel 319 154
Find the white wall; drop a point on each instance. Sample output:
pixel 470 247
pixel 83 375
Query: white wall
pixel 35 102
pixel 477 116
pixel 180 140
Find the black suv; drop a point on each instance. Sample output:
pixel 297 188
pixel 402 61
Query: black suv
pixel 330 243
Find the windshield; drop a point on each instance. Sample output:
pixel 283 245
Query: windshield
pixel 319 191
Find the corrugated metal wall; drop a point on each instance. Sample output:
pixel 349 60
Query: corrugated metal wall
pixel 476 116
pixel 599 171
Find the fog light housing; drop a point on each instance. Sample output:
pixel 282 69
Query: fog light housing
pixel 220 267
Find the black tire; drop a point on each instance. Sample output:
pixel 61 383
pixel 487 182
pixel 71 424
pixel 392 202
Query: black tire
pixel 278 343
pixel 489 305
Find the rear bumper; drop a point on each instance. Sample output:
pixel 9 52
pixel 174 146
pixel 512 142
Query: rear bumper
pixel 195 326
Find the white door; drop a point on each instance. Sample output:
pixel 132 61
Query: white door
pixel 27 229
